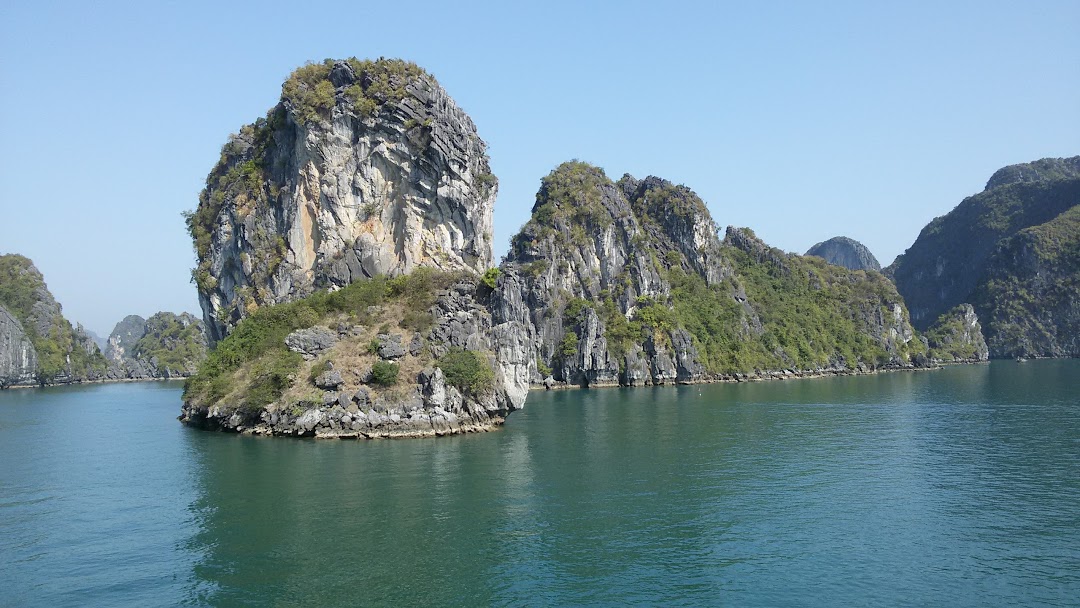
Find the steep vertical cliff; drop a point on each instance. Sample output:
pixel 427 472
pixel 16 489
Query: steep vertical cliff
pixel 628 283
pixel 18 358
pixel 1010 251
pixel 57 352
pixel 363 168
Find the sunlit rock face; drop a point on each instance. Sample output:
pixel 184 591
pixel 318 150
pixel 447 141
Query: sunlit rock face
pixel 363 168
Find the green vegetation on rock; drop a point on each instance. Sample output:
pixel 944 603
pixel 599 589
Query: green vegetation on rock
pixel 253 362
pixel 312 95
pixel 491 275
pixel 1009 250
pixel 175 342
pixel 20 285
pixel 1030 296
pixel 384 373
pixel 957 336
pixel 668 199
pixel 812 314
pixel 569 196
pixel 468 371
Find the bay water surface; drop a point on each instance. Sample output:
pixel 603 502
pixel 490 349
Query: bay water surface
pixel 955 487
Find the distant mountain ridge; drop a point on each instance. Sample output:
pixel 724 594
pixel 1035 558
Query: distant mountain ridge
pixel 846 252
pixel 1013 252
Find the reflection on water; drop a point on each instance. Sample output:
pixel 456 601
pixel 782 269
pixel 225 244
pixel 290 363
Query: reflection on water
pixel 954 487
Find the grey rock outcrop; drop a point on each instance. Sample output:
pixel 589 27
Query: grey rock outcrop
pixel 390 347
pixel 329 380
pixel 18 359
pixel 387 176
pixel 124 337
pixel 846 252
pixel 101 342
pixel 311 342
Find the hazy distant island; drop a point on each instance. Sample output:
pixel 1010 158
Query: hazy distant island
pixel 348 285
pixel 39 347
pixel 166 345
pixel 846 252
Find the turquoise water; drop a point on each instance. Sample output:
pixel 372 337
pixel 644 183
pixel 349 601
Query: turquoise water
pixel 956 487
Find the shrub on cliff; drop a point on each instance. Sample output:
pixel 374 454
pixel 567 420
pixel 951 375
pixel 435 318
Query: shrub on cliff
pixel 468 371
pixel 384 373
pixel 311 94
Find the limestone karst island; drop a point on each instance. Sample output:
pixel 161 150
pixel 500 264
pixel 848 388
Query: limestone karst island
pixel 349 288
pixel 552 304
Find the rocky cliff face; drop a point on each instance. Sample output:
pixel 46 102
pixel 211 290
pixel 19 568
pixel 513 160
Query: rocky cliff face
pixel 628 283
pixel 60 353
pixel 364 168
pixel 18 358
pixel 957 337
pixel 123 338
pixel 849 253
pixel 341 243
pixel 1030 291
pixel 1008 251
pixel 166 345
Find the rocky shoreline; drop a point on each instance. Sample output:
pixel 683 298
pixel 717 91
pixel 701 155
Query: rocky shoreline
pixel 95 381
pixel 763 376
pixel 351 418
pixel 339 421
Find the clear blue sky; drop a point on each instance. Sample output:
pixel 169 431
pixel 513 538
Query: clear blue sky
pixel 801 120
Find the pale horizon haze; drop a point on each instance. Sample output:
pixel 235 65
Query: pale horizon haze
pixel 803 121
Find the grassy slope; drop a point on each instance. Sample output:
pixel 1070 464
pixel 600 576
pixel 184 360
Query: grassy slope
pixel 252 367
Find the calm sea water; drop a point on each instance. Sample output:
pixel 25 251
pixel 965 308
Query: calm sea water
pixel 959 487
